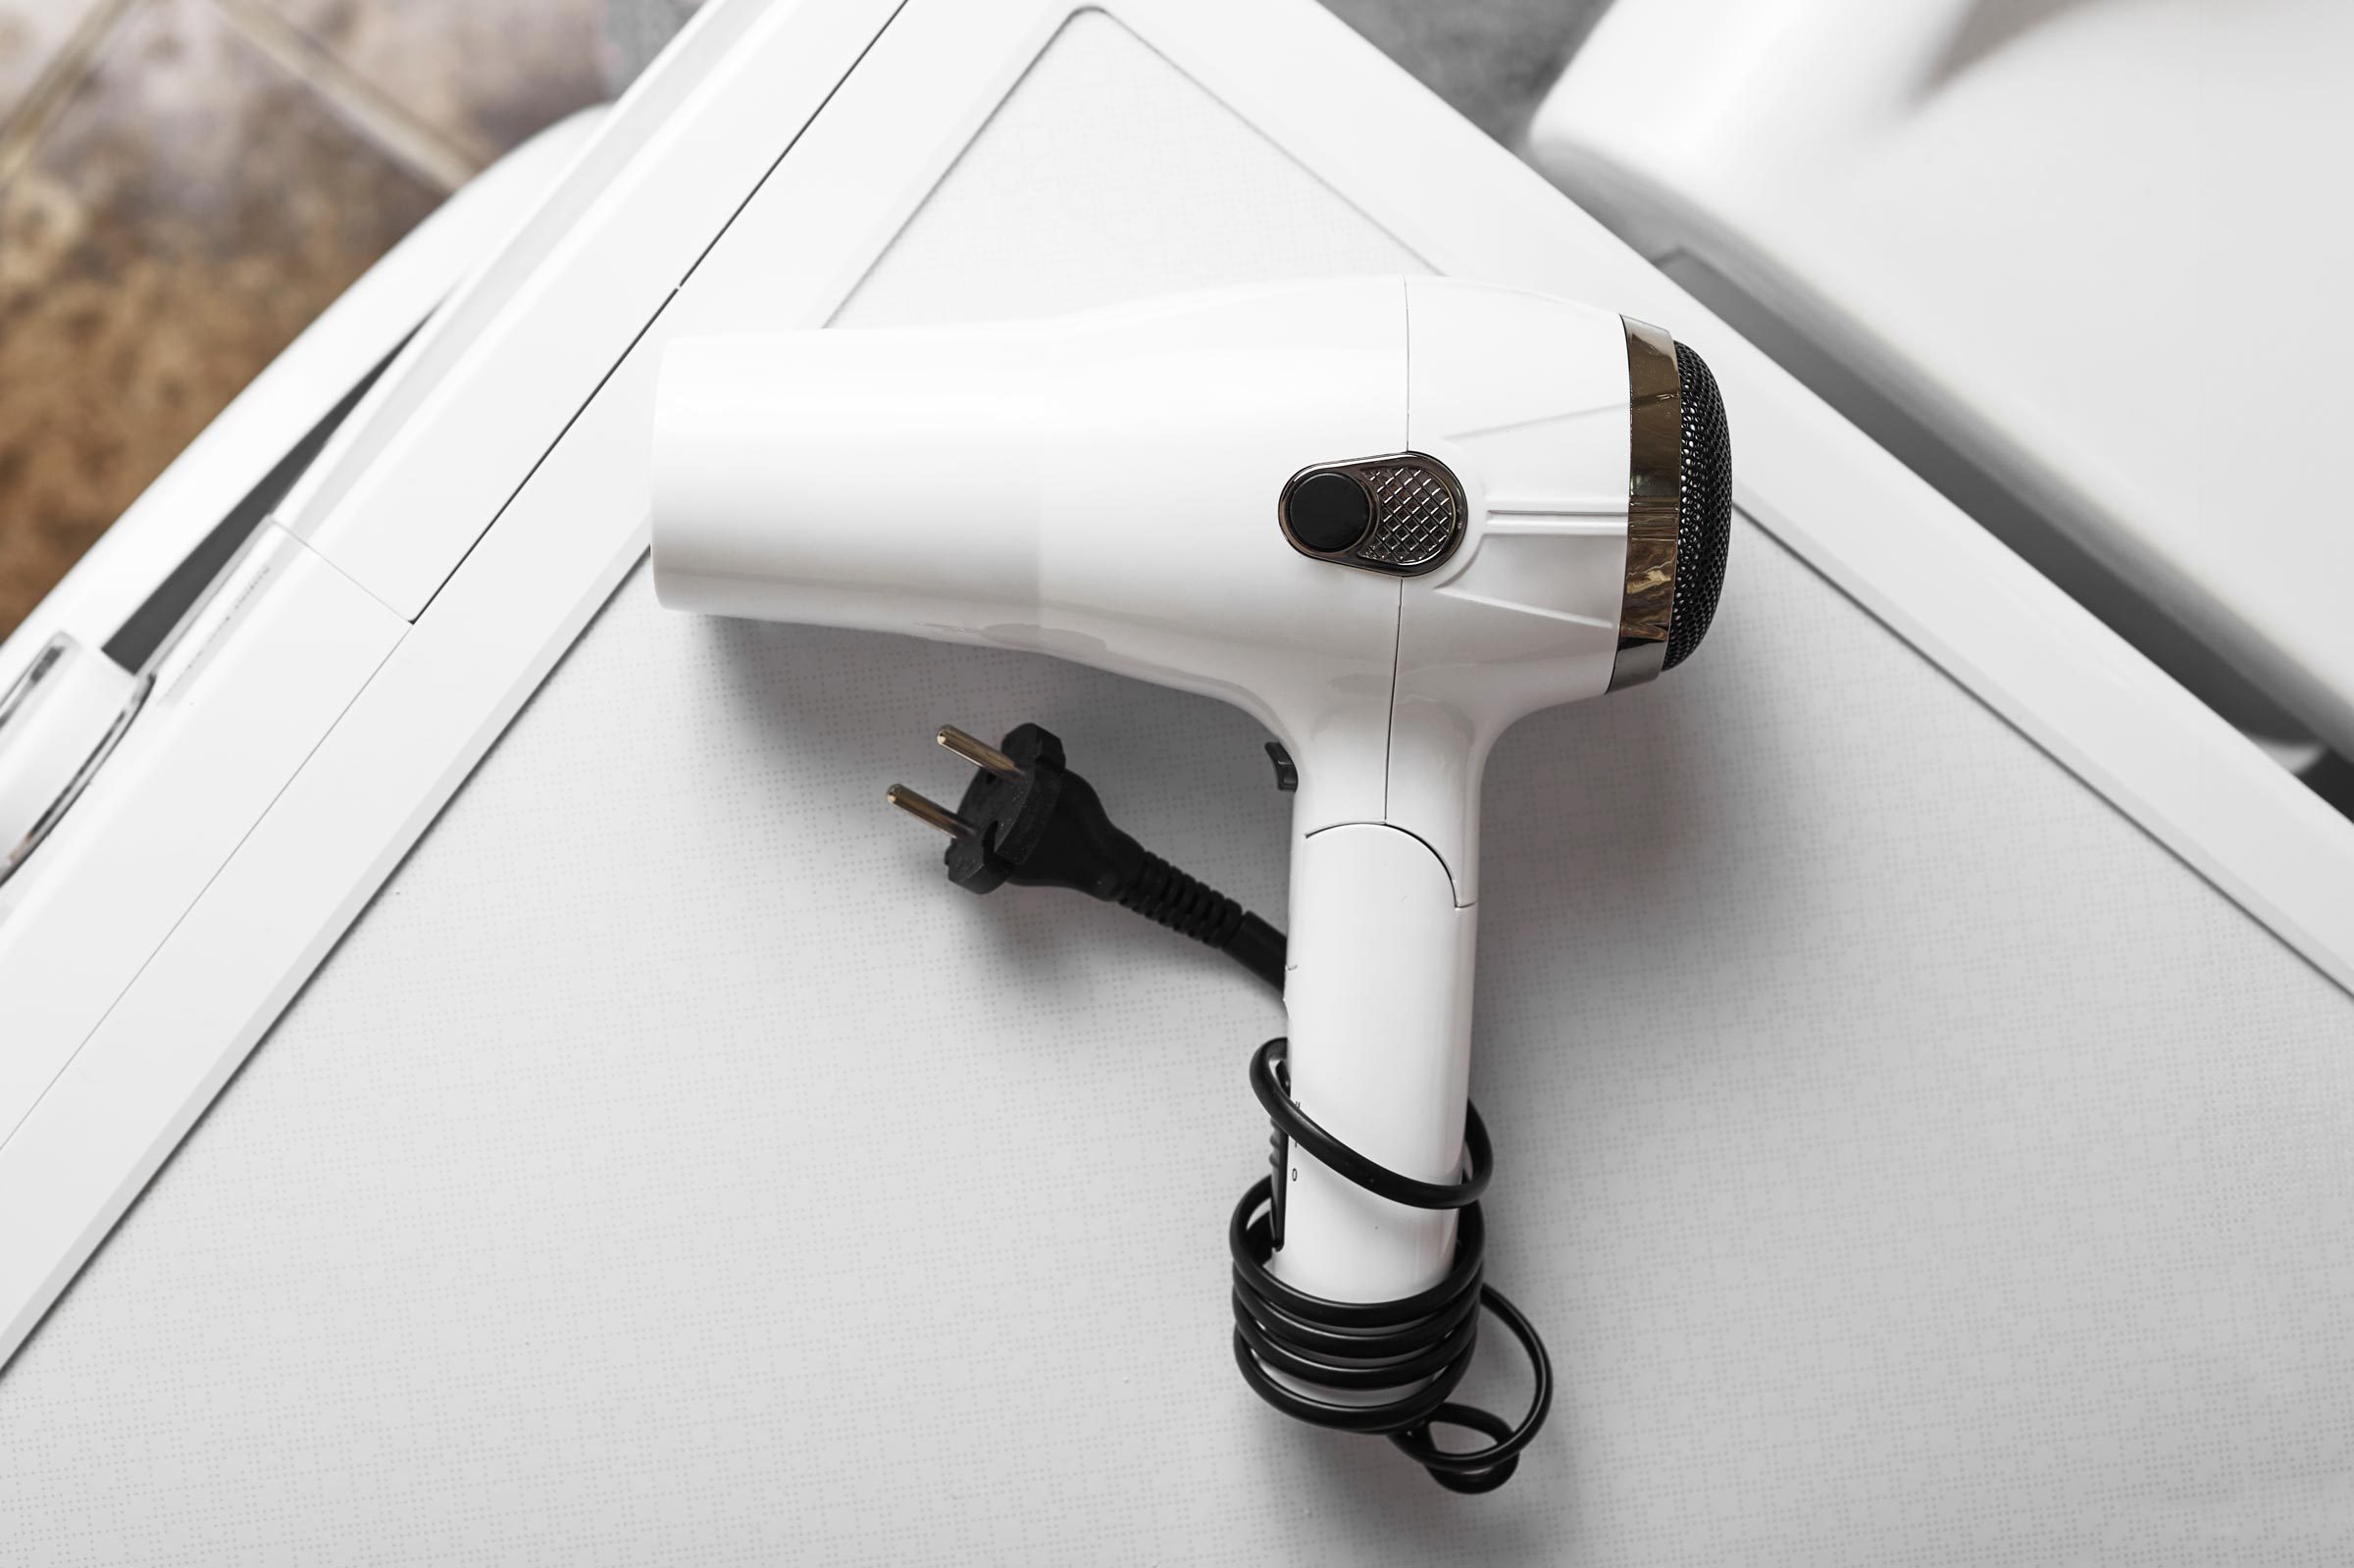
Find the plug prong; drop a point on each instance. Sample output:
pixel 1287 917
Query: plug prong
pixel 931 813
pixel 979 753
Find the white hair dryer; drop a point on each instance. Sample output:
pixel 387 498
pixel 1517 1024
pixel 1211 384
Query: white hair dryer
pixel 1388 516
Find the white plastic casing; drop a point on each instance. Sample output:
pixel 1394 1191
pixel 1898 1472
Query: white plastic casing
pixel 1103 488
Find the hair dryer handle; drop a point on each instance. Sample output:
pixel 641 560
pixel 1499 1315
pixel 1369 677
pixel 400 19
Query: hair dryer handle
pixel 1379 993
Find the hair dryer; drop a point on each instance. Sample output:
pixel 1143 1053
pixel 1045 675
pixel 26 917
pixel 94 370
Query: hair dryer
pixel 1387 516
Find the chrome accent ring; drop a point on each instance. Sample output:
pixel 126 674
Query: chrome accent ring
pixel 1655 495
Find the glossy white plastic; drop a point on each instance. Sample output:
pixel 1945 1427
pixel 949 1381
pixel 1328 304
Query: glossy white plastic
pixel 1378 996
pixel 1103 488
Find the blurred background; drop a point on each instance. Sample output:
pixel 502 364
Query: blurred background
pixel 185 184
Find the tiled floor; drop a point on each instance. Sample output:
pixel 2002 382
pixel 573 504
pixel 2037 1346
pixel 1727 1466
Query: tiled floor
pixel 31 35
pixel 184 183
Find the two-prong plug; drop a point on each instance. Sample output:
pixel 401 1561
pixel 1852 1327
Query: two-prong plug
pixel 1027 819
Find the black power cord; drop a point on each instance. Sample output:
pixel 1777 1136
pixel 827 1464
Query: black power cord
pixel 1028 820
pixel 1392 1363
pixel 1384 1368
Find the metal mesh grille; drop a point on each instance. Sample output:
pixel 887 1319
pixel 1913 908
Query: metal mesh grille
pixel 1703 522
pixel 1414 516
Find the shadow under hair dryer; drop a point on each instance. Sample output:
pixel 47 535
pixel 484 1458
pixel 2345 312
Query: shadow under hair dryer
pixel 1387 517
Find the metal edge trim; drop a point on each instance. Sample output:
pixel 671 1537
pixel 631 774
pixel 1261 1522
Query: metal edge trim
pixel 21 689
pixel 22 851
pixel 1655 493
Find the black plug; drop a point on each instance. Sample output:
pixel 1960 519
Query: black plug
pixel 1027 819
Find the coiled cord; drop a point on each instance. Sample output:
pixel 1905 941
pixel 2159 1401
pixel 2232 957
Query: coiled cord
pixel 1420 1346
pixel 1387 1367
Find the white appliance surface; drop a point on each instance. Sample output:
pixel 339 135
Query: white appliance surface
pixel 2094 246
pixel 1905 1157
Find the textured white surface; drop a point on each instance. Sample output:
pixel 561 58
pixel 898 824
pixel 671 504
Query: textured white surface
pixel 1906 1160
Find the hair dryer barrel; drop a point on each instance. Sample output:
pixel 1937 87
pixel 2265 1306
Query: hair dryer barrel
pixel 1101 487
pixel 885 480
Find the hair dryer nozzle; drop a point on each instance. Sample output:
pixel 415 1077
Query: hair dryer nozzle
pixel 1679 512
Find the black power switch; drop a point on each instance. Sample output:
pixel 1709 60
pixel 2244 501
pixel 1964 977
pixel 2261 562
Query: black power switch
pixel 1328 512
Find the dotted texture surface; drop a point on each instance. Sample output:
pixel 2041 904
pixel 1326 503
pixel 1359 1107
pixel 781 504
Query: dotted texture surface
pixel 1908 1161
